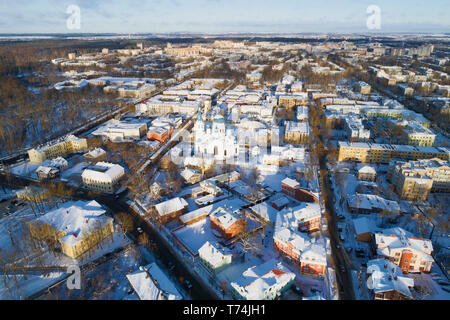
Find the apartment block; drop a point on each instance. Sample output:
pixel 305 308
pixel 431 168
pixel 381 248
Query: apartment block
pixel 61 147
pixel 414 180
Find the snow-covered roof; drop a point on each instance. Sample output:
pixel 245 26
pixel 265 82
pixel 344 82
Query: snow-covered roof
pixel 150 283
pixel 266 211
pixel 291 183
pixel 212 254
pixel 169 206
pixel 299 241
pixel 103 171
pixel 45 170
pixel 189 173
pixel 225 216
pixel 386 276
pixel 395 238
pixel 257 280
pixel 362 225
pixel 371 202
pixel 292 217
pixel 315 253
pixel 97 152
pixel 75 219
pixel 367 169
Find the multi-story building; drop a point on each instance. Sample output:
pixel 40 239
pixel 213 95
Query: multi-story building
pixel 387 282
pixel 160 134
pixel 355 129
pixel 77 226
pixel 102 176
pixel 263 282
pixel 214 258
pixel 229 223
pixel 171 209
pixel 414 180
pixel 296 132
pixel 304 217
pixel 363 87
pixel 370 203
pixel 120 130
pixel 415 134
pixel 383 153
pixel 292 188
pixel 289 242
pixel 367 173
pixel 59 148
pixel 313 260
pixel 150 283
pixel 411 254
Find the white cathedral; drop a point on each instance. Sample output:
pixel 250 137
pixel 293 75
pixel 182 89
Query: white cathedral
pixel 215 141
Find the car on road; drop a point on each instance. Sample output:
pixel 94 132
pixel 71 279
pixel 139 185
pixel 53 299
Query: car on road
pixel 338 246
pixel 297 290
pixel 139 229
pixel 188 284
pixel 342 268
pixel 443 282
pixel 446 288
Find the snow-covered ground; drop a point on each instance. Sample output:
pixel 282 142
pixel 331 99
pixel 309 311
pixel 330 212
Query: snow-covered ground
pixel 344 186
pixel 18 249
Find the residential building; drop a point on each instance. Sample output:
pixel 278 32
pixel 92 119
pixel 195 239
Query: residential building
pixel 95 155
pixel 191 176
pixel 383 153
pixel 77 226
pixel 170 209
pixel 387 282
pixel 304 217
pixel 102 177
pixel 313 260
pixel 362 87
pixel 414 180
pixel 292 188
pixel 289 242
pixel 370 203
pixel 367 173
pixel 410 253
pixel 263 282
pixel 227 222
pixel 214 258
pixel 296 132
pixel 68 144
pixel 150 283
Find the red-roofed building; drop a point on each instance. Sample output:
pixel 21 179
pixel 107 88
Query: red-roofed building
pixel 292 188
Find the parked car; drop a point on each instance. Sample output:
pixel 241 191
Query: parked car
pixel 342 268
pixel 139 229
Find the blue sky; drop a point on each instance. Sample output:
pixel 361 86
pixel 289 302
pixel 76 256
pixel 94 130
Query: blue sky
pixel 124 16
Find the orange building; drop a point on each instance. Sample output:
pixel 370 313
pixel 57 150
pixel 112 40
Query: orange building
pixel 160 134
pixel 228 223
